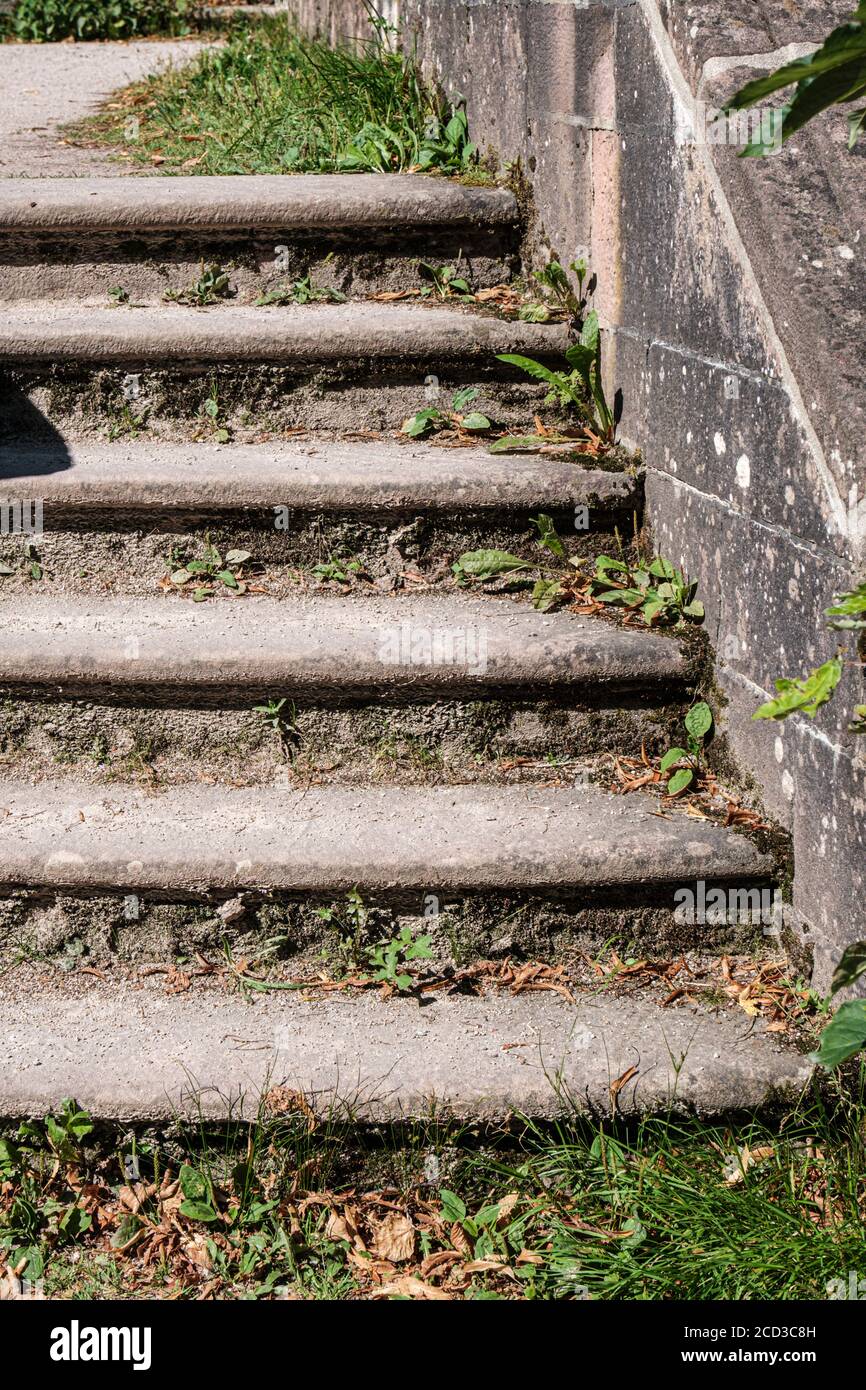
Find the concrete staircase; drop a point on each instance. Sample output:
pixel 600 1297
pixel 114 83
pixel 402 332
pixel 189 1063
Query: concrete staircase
pixel 442 751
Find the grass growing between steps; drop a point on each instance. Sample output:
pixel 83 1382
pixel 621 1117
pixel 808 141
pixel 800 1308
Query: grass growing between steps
pixel 306 1209
pixel 271 102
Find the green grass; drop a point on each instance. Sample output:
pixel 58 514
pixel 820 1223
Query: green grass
pixel 659 1210
pixel 270 101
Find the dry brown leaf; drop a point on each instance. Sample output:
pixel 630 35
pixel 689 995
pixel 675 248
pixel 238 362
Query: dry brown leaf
pixel 616 1086
pixel 409 1286
pixel 506 1207
pixel 394 1238
pixel 459 1240
pixel 440 1260
pixel 282 1100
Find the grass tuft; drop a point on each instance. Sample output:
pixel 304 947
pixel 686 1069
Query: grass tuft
pixel 272 102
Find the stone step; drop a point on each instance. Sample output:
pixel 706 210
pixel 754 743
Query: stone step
pixel 336 367
pixel 137 1054
pixel 359 233
pixel 385 841
pixel 131 483
pixel 293 335
pixel 402 646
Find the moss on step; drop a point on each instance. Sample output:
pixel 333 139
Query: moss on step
pixel 43 735
pixel 290 939
pixel 342 397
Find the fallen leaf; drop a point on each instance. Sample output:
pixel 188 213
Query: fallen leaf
pixel 394 1238
pixel 409 1286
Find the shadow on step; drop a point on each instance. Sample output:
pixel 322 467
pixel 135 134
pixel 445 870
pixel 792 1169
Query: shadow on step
pixel 20 418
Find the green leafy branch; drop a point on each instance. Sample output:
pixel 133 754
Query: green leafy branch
pixel 832 76
pixel 845 1034
pixel 806 694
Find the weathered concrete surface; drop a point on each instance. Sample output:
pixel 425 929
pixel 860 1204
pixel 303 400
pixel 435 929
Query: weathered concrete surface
pixel 220 333
pixel 341 476
pixel 48 85
pixel 733 296
pixel 321 643
pixel 134 1053
pixel 305 202
pixel 380 839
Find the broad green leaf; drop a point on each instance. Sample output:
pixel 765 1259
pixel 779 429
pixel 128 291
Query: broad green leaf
pixel 843 84
pixel 621 596
pixel 849 609
pixel 589 333
pixel 808 694
pixel 193 1184
pixel 197 1211
pixel 127 1227
pixel 699 720
pixel 533 313
pixel 535 369
pixel 475 422
pixel 844 1035
pixel 421 422
pixel 464 397
pixel 513 444
pixel 843 45
pixel 673 755
pixel 680 781
pixel 605 562
pixel 851 966
pixel 547 536
pixel 484 564
pixel 453 1208
pixel 237 557
pixel 660 568
pixel 545 594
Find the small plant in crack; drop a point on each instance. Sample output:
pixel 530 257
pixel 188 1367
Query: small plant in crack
pixel 349 923
pixel 445 283
pixel 126 423
pixel 388 960
pixel 432 420
pixel 210 423
pixel 555 281
pixel 684 767
pixel 655 588
pixel 212 285
pixel 208 573
pixel 336 571
pixel 580 389
pixel 281 716
pixel 301 291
